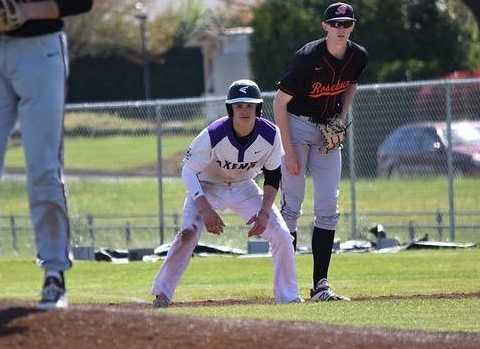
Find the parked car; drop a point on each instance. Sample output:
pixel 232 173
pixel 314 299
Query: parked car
pixel 421 148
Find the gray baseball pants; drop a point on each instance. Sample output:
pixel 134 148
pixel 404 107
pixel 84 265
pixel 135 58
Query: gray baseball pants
pixel 325 170
pixel 33 73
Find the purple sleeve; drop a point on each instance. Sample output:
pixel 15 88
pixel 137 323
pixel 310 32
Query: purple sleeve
pixel 73 7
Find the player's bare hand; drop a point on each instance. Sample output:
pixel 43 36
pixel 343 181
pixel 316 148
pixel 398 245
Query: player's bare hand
pixel 291 162
pixel 259 221
pixel 213 222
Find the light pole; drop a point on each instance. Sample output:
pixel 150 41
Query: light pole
pixel 141 15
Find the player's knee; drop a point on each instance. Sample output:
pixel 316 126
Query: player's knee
pixel 291 213
pixel 327 221
pixel 281 236
pixel 189 234
pixel 43 177
pixel 48 195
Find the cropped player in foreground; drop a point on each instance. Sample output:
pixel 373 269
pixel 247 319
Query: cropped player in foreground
pixel 33 75
pixel 310 109
pixel 219 170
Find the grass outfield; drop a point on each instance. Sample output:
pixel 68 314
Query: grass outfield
pixel 118 153
pixel 366 277
pixel 140 196
pixel 122 199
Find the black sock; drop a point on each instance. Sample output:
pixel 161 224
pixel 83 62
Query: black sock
pixel 322 243
pixel 294 235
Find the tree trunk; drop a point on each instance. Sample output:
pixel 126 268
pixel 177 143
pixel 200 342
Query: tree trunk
pixel 474 6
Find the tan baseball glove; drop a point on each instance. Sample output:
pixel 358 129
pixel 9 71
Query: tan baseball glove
pixel 333 132
pixel 11 15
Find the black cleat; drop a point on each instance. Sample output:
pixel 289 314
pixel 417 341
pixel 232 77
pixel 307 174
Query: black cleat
pixel 323 293
pixel 54 295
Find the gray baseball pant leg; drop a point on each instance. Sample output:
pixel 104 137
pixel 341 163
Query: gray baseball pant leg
pixel 39 80
pixel 8 114
pixel 293 187
pixel 325 170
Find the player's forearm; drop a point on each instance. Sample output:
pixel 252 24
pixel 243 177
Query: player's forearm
pixel 40 10
pixel 269 194
pixel 192 183
pixel 281 119
pixel 202 204
pixel 348 100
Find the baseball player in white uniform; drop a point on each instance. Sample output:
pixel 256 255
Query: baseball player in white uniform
pixel 219 170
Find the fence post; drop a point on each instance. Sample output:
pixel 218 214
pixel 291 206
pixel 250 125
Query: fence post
pixel 439 219
pixel 128 234
pixel 91 229
pixel 176 222
pixel 353 179
pixel 13 226
pixel 160 174
pixel 411 230
pixel 451 200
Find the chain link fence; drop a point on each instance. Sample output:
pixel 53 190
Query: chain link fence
pixel 411 163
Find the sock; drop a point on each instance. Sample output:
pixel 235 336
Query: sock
pixel 322 244
pixel 294 235
pixel 54 273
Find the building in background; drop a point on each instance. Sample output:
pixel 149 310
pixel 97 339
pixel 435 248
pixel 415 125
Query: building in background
pixel 226 58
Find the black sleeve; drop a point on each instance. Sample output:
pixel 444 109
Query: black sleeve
pixel 293 81
pixel 272 177
pixel 73 7
pixel 362 66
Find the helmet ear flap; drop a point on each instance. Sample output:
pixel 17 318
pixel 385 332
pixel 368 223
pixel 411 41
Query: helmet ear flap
pixel 259 109
pixel 229 109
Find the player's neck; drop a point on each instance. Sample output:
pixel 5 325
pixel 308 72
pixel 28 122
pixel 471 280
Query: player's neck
pixel 337 48
pixel 243 129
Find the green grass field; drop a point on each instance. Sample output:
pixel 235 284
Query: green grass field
pixel 399 277
pixel 141 195
pixel 104 153
pixel 116 203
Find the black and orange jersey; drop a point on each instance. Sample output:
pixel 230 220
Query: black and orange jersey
pixel 35 27
pixel 316 79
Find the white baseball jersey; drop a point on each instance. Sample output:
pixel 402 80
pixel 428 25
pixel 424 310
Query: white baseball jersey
pixel 218 157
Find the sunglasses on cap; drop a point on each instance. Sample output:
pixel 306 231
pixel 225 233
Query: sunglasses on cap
pixel 340 24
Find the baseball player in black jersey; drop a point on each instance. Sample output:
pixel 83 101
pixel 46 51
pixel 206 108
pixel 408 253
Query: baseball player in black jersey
pixel 310 110
pixel 33 75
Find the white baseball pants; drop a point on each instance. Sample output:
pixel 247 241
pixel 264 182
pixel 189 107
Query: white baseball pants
pixel 244 199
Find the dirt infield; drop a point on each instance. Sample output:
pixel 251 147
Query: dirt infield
pixel 138 326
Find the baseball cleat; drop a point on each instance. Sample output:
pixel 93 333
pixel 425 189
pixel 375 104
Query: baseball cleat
pixel 297 300
pixel 323 293
pixel 54 295
pixel 161 301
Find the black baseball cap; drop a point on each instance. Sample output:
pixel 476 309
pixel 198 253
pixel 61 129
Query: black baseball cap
pixel 339 11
